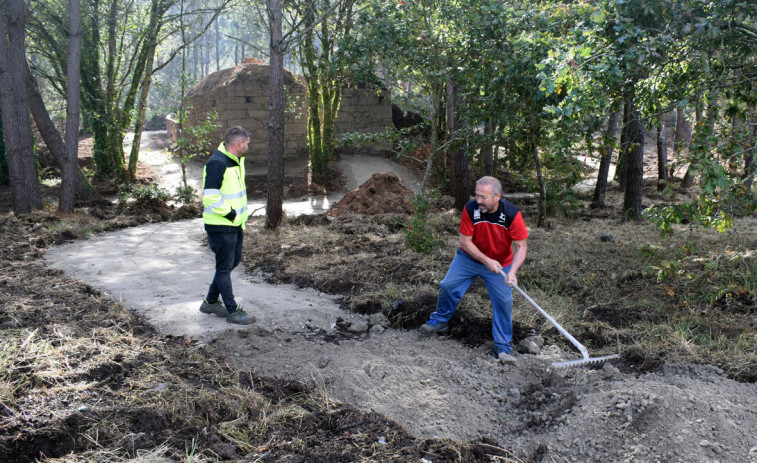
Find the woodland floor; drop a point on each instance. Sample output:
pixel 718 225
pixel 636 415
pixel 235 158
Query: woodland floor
pixel 83 378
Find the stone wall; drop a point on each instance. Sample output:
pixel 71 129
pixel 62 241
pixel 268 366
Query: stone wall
pixel 240 95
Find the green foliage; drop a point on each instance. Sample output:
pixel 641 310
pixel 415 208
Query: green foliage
pixel 702 211
pixel 151 194
pixel 194 140
pixel 185 194
pixel 419 233
pixel 724 194
pixel 402 142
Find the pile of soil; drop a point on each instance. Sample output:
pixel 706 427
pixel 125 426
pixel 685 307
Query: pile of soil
pixel 383 193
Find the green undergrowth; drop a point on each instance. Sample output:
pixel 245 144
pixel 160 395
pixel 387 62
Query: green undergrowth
pixel 691 296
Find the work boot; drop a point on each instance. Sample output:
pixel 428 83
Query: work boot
pixel 216 307
pixel 431 327
pixel 240 317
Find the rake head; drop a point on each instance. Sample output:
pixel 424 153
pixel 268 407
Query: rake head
pixel 589 361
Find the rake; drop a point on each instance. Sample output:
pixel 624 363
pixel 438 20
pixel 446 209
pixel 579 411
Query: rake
pixel 586 360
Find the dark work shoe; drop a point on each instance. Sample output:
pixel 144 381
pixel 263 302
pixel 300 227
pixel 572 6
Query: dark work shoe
pixel 240 317
pixel 215 308
pixel 431 327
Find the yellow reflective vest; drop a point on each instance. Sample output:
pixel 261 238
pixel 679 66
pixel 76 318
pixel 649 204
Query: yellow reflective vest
pixel 224 194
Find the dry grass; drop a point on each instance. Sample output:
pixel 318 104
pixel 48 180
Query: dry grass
pixel 83 379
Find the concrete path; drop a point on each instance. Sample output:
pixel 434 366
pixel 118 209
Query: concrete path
pixel 163 271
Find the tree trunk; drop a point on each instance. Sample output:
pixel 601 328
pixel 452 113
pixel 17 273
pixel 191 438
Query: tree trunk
pixel 15 110
pixel 144 75
pixel 218 46
pixel 750 149
pixel 139 122
pixel 111 161
pixel 275 117
pixel 459 174
pixel 606 149
pixel 702 128
pixel 207 58
pixel 589 140
pixel 678 138
pixel 662 154
pixel 434 143
pixel 542 208
pixel 487 149
pixel 625 146
pixel 634 165
pixel 73 74
pixel 195 60
pixel 312 78
pixel 50 134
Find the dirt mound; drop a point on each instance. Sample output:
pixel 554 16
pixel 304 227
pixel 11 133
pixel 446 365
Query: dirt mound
pixel 382 193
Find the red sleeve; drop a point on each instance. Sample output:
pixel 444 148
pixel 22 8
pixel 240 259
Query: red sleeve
pixel 518 230
pixel 466 225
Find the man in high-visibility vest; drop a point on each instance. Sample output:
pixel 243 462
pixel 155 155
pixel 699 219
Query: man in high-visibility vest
pixel 224 200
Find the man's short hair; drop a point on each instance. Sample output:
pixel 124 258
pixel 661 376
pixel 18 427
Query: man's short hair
pixel 236 134
pixel 492 182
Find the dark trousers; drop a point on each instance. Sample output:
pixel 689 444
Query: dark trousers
pixel 228 250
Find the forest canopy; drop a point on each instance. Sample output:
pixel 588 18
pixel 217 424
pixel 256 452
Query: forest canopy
pixel 526 88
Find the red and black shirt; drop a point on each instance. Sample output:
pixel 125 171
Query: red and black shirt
pixel 494 232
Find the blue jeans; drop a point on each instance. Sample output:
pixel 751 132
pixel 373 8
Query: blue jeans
pixel 463 270
pixel 228 250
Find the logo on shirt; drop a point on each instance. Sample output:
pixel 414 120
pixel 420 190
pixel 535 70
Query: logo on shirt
pixel 477 214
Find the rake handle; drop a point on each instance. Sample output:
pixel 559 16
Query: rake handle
pixel 554 323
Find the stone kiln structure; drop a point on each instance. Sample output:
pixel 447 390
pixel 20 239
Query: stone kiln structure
pixel 240 95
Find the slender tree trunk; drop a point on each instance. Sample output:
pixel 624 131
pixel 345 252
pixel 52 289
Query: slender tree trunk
pixel 688 176
pixel 312 76
pixel 634 165
pixel 218 46
pixel 678 138
pixel 704 129
pixel 459 177
pixel 750 149
pixel 22 172
pixel 93 96
pixel 625 147
pixel 534 149
pixel 207 58
pixel 589 140
pixel 436 93
pixel 114 153
pixel 73 88
pixel 151 43
pixel 50 134
pixel 274 210
pixel 486 153
pixel 195 60
pixel 662 154
pixel 139 122
pixel 608 142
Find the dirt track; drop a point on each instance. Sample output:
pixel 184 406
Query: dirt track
pixel 433 387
